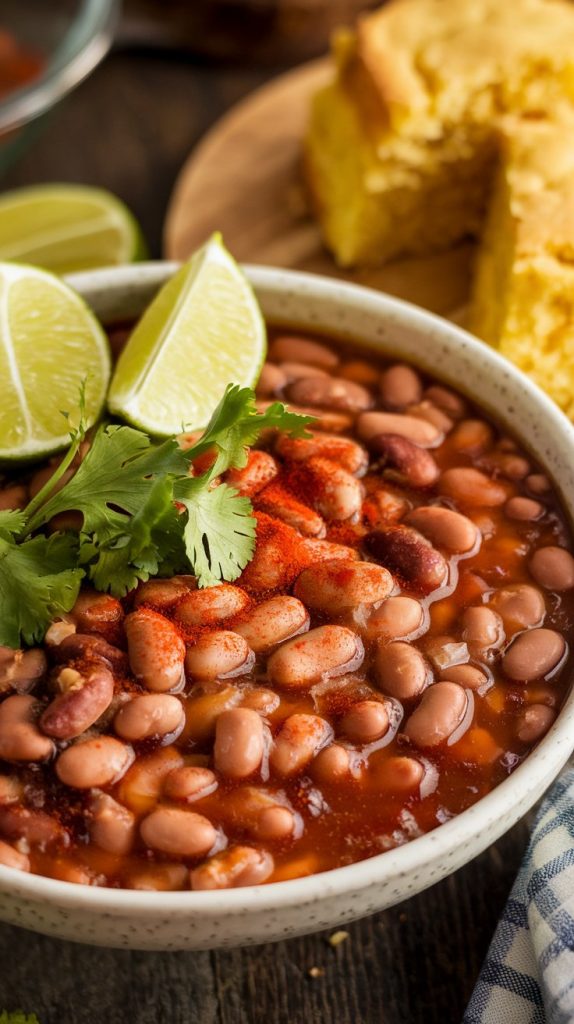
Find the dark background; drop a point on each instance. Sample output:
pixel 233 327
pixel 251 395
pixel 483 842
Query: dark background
pixel 128 129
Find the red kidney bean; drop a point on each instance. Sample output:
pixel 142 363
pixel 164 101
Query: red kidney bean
pixel 12 858
pixel 447 400
pixel 260 470
pixel 21 670
pixel 347 453
pixel 234 868
pixel 402 671
pixel 523 509
pixel 97 613
pixel 220 654
pixel 212 605
pixel 82 701
pixel 410 463
pixel 438 716
pixel 400 386
pixel 155 649
pixel 366 721
pixel 272 379
pixel 111 826
pixel 371 424
pixel 472 437
pixel 272 622
pixel 519 605
pixel 465 675
pixel 534 722
pixel 444 528
pixel 34 827
pixel 396 619
pixel 163 594
pixel 405 552
pixel 153 715
pixel 94 762
pixel 20 737
pixel 471 487
pixel 299 740
pixel 319 654
pixel 534 654
pixel 277 501
pixel 483 629
pixel 331 393
pixel 189 783
pixel 553 568
pixel 302 350
pixel 336 586
pixel 90 647
pixel 239 743
pixel 332 764
pixel 179 833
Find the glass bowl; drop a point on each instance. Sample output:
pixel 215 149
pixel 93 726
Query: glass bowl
pixel 70 37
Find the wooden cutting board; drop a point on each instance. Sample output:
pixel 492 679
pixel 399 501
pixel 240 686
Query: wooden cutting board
pixel 244 179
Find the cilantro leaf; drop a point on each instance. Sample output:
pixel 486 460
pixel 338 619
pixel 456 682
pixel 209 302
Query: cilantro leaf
pixel 39 580
pixel 12 523
pixel 219 534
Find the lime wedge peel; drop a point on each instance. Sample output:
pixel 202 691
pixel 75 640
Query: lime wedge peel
pixel 50 344
pixel 202 331
pixel 68 228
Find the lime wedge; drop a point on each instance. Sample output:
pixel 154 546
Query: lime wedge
pixel 203 330
pixel 67 228
pixel 50 343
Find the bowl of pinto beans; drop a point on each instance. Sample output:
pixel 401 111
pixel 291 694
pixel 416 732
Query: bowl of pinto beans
pixel 382 692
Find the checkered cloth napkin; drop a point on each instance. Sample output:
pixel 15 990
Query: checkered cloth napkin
pixel 528 975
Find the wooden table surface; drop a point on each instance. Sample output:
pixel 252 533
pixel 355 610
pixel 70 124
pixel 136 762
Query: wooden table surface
pixel 128 129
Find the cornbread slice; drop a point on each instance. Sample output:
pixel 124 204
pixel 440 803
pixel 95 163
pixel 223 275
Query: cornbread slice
pixel 401 147
pixel 523 291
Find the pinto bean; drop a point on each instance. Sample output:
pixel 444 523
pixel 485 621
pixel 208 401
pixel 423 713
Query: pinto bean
pixel 190 783
pixel 447 400
pixel 329 421
pixel 401 670
pixel 320 550
pixel 534 722
pixel 332 764
pixel 260 470
pixel 293 348
pixel 399 774
pixel 470 486
pixel 272 379
pixel 511 466
pixel 239 743
pixel 90 647
pixel 260 813
pixel 359 371
pixel 211 606
pixel 465 675
pixel 233 868
pixel 405 552
pixel 179 833
pixel 11 789
pixel 80 704
pixel 396 619
pixel 410 463
pixel 299 740
pixel 158 878
pixel 37 828
pixel 152 715
pixel 97 613
pixel 347 453
pixel 553 568
pixel 219 654
pixel 331 393
pixel 336 494
pixel 21 670
pixel 272 622
pixel 444 528
pixel 141 786
pixel 279 502
pixel 163 594
pixel 472 437
pixel 421 432
pixel 20 737
pixel 365 722
pixel 202 711
pixel 297 371
pixel 483 629
pixel 438 716
pixel 337 585
pixel 155 649
pixel 264 702
pixel 432 414
pixel 534 654
pixel 94 763
pixel 400 386
pixel 384 507
pixel 111 826
pixel 12 858
pixel 523 509
pixel 519 605
pixel 538 483
pixel 319 654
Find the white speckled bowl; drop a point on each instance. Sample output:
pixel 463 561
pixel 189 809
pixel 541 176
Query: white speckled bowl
pixel 200 920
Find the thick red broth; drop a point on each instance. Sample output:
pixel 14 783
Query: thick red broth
pixel 398 644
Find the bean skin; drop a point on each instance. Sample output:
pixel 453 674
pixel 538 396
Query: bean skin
pixel 402 671
pixel 366 722
pixel 371 424
pixel 519 605
pixel 20 737
pixel 396 619
pixel 553 568
pixel 220 654
pixel 239 743
pixel 400 386
pixel 533 654
pixel 319 654
pixel 534 722
pixel 111 826
pixel 438 716
pixel 444 528
pixel 299 740
pixel 155 649
pixel 179 833
pixel 233 868
pixel 272 622
pixel 94 762
pixel 330 392
pixel 212 605
pixel 292 348
pixel 336 586
pixel 152 715
pixel 471 487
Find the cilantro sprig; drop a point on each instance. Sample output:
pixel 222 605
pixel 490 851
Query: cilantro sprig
pixel 143 515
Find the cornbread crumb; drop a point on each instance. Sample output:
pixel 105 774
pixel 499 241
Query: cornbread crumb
pixel 337 938
pixel 316 972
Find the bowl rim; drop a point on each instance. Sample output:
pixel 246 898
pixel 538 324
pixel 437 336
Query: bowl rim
pixel 533 775
pixel 84 45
